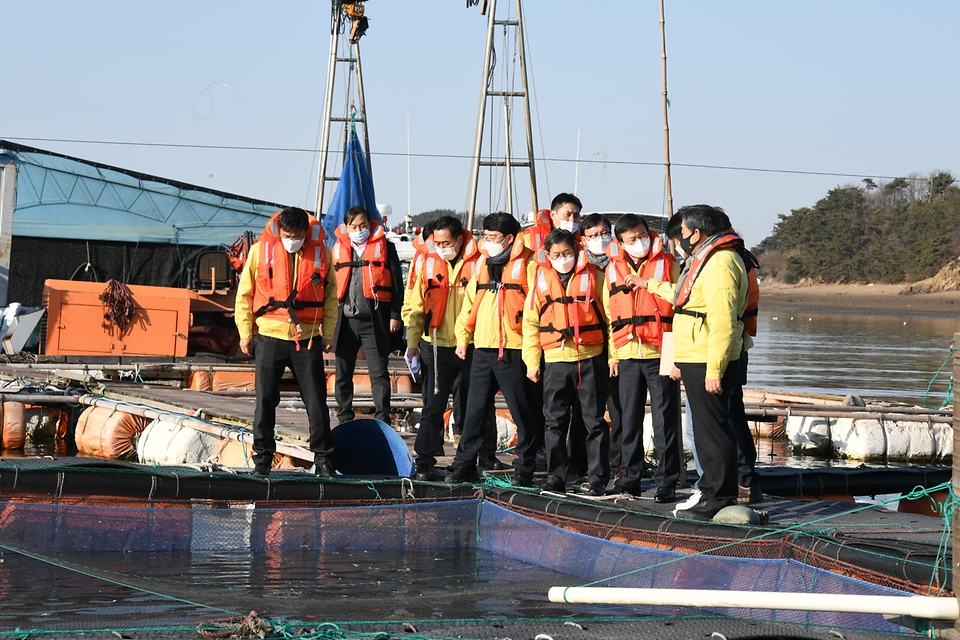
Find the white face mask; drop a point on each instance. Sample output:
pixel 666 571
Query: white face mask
pixel 598 245
pixel 447 253
pixel 563 265
pixel 569 225
pixel 359 237
pixel 639 248
pixel 292 245
pixel 493 249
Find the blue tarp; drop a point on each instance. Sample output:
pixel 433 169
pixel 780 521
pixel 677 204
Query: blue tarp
pixel 354 189
pixel 63 197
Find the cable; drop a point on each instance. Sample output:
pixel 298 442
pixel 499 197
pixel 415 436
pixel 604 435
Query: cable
pixel 454 156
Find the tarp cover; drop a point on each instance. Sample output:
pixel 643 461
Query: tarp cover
pixel 354 189
pixel 63 197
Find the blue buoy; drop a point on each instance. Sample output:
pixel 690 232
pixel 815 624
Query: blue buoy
pixel 368 447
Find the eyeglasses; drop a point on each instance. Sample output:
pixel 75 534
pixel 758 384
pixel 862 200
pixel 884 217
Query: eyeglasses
pixel 602 234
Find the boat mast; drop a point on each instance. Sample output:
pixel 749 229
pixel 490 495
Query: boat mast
pixel 666 104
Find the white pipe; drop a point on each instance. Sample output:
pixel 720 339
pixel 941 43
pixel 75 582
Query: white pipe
pixel 239 434
pixel 925 607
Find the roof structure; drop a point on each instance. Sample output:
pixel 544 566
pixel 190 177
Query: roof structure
pixel 59 196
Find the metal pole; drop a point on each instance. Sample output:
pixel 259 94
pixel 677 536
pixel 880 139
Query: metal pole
pixel 363 109
pixel 328 105
pixel 477 147
pixel 666 126
pixel 526 105
pixel 508 176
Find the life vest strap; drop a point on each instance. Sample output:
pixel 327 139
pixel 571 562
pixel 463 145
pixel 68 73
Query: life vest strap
pixel 359 263
pixel 638 320
pixel 620 288
pixel 692 314
pixel 569 331
pixel 493 286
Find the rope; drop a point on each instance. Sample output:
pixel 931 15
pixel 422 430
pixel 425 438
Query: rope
pixel 948 399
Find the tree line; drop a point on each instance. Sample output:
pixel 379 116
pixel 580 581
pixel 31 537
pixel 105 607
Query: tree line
pixel 899 231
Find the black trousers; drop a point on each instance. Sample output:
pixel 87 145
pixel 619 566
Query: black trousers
pixel 615 410
pixel 577 445
pixel 746 447
pixel 353 334
pixel 439 375
pixel 487 375
pixel 713 432
pixel 585 382
pixel 272 357
pixel 636 378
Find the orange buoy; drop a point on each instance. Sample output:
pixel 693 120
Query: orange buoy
pixel 200 380
pixel 106 433
pixel 232 453
pixel 14 425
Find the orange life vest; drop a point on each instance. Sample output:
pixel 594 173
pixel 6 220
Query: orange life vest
pixel 373 264
pixel 436 285
pixel 274 295
pixel 535 235
pixel 637 313
pixel 511 292
pixel 573 314
pixel 753 292
pixel 420 254
pixel 727 242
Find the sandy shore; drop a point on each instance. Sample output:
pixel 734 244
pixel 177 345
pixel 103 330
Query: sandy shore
pixel 853 298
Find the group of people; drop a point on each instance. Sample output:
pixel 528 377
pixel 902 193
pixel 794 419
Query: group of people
pixel 566 319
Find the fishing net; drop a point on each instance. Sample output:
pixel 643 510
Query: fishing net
pixel 71 563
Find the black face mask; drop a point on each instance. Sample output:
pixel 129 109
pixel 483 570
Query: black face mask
pixel 685 244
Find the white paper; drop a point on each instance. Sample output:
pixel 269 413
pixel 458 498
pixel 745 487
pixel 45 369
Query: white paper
pixel 666 353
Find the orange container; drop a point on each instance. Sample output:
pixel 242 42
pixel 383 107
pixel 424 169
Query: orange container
pixel 232 453
pixel 107 433
pixel 14 425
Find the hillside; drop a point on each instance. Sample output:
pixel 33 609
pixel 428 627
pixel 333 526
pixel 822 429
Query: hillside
pixel 903 231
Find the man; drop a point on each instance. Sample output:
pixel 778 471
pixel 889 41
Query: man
pixel 709 302
pixel 638 321
pixel 597 235
pixel 564 213
pixel 434 303
pixel 563 323
pixel 491 320
pixel 370 291
pixel 289 289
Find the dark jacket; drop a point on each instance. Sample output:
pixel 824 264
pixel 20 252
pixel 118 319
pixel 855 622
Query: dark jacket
pixel 383 313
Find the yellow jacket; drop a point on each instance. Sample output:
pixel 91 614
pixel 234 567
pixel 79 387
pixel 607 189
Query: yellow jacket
pixel 720 292
pixel 532 351
pixel 416 314
pixel 490 325
pixel 634 350
pixel 283 329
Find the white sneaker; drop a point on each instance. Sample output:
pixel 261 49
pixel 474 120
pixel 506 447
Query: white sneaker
pixel 689 502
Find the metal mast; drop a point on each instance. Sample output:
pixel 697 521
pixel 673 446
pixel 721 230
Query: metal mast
pixel 506 96
pixel 343 11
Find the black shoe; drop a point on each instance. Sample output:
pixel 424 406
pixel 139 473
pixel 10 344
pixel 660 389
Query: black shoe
pixel 629 489
pixel 597 488
pixel 261 470
pixel 324 468
pixel 749 495
pixel 665 495
pixel 555 485
pixel 699 511
pixel 427 474
pixel 463 472
pixel 521 479
pixel 491 465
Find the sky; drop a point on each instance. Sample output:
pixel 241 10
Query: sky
pixel 772 104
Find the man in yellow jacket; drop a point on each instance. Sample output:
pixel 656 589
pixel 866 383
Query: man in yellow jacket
pixel 563 322
pixel 434 302
pixel 491 320
pixel 289 289
pixel 709 299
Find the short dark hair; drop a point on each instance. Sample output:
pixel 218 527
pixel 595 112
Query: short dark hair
pixel 629 221
pixel 353 212
pixel 293 220
pixel 595 220
pixel 565 198
pixel 451 224
pixel 502 222
pixel 723 219
pixel 559 236
pixel 702 217
pixel 673 227
pixel 427 230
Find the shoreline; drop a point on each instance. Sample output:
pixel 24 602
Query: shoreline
pixel 882 299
